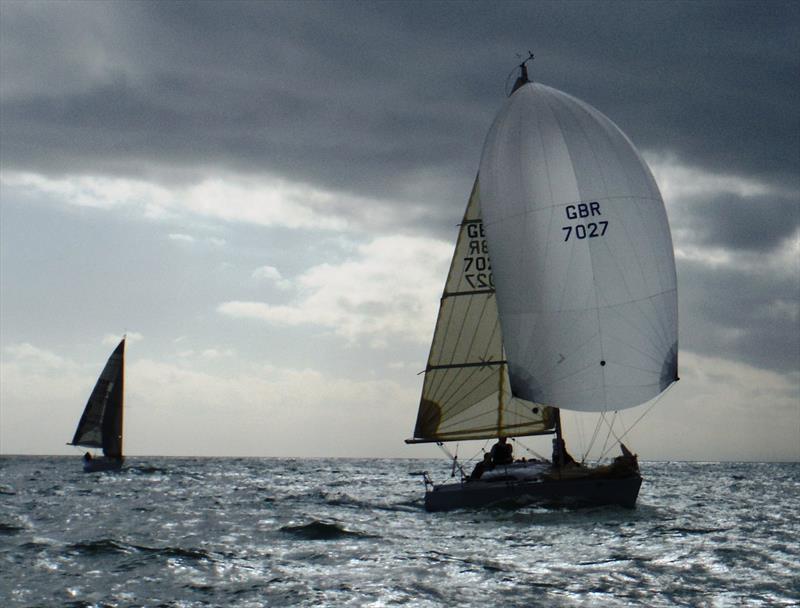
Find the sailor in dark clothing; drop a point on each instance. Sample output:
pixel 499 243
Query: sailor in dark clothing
pixel 560 455
pixel 502 452
pixel 481 467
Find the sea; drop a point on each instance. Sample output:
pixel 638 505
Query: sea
pixel 251 532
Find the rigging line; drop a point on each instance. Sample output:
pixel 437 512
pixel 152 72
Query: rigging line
pixel 527 449
pixel 610 428
pixel 647 411
pixel 622 423
pixel 452 457
pixel 579 425
pixel 596 432
pixel 481 449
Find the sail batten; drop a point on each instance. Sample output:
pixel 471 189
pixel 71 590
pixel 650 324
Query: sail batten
pixel 457 365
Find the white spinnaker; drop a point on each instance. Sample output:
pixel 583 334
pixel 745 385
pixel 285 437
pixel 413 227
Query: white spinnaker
pixel 466 393
pixel 582 256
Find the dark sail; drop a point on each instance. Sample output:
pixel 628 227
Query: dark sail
pixel 101 423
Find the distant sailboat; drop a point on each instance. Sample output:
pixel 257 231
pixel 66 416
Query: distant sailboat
pixel 100 425
pixel 576 308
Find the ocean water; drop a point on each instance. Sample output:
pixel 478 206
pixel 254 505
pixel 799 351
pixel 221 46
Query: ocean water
pixel 187 532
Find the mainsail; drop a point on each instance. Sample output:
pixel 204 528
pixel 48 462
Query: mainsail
pixel 101 423
pixel 582 256
pixel 466 392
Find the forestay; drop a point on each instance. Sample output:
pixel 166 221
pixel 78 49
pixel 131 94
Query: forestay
pixel 466 392
pixel 582 256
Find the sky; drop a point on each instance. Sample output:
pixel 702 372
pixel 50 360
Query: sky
pixel 265 198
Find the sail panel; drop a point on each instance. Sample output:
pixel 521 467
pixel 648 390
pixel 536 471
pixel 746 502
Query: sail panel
pixel 466 392
pixel 582 256
pixel 100 425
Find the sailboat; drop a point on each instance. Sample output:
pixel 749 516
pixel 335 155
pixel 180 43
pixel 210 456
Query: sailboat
pixel 561 295
pixel 100 426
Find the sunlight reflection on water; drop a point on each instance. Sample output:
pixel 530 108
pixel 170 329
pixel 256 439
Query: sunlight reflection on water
pixel 252 532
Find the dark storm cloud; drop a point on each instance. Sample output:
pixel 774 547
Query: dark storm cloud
pixel 364 97
pixel 750 316
pixel 758 223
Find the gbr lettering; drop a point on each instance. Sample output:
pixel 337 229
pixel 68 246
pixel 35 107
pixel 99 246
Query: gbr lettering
pixel 477 269
pixel 584 230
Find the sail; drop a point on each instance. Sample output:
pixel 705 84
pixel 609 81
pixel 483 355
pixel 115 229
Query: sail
pixel 101 423
pixel 466 393
pixel 582 256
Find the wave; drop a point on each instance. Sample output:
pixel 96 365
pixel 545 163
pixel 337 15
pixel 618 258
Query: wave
pixel 9 529
pixel 104 546
pixel 147 470
pixel 109 546
pixel 321 530
pixel 345 500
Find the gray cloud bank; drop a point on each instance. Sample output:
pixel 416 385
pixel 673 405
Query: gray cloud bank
pixel 360 96
pixel 393 100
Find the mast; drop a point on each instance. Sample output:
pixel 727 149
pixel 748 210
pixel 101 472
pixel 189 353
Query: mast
pixel 558 452
pixel 122 395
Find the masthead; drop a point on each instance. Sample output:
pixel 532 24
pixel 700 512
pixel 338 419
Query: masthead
pixel 522 79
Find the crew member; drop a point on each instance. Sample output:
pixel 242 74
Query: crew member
pixel 502 452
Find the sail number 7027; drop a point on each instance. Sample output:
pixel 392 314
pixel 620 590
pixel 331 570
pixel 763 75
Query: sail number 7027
pixel 588 230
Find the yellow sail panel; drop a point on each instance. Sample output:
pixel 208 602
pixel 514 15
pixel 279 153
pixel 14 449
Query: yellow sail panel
pixel 466 393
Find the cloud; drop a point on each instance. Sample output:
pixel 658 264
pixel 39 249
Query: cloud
pixel 207 353
pixel 737 248
pixel 389 291
pixel 186 238
pixel 270 410
pixel 264 200
pixel 30 355
pixel 337 96
pixel 272 275
pixel 257 409
pixel 724 211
